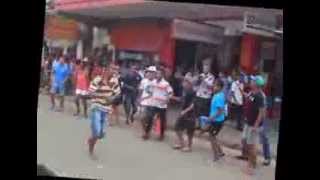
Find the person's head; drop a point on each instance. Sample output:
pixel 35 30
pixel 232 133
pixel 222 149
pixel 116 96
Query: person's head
pixel 206 68
pixel 160 74
pixel 151 72
pixel 62 59
pixel 236 76
pixel 218 85
pixel 114 68
pixel 257 83
pixel 187 83
pixel 84 62
pixel 221 75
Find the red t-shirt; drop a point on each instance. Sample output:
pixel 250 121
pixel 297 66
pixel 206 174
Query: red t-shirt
pixel 82 81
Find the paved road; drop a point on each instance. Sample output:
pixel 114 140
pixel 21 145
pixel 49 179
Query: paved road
pixel 123 155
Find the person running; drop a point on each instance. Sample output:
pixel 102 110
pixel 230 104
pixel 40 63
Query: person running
pixel 161 92
pixel 61 74
pixel 130 91
pixel 101 95
pixel 204 92
pixel 236 99
pixel 215 121
pixel 82 85
pixel 253 125
pixel 146 94
pixel 186 120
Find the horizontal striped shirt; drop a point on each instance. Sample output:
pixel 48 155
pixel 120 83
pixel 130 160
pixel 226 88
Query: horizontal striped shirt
pixel 101 96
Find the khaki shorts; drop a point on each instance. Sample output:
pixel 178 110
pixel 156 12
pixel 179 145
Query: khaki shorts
pixel 250 136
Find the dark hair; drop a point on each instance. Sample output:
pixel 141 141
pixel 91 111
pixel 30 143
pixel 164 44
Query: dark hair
pixel 219 83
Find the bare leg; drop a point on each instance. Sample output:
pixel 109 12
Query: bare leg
pixel 62 102
pixel 180 140
pixel 252 156
pixel 53 104
pixel 213 141
pixel 77 105
pixel 85 108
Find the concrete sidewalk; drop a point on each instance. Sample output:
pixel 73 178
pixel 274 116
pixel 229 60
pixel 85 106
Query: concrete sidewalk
pixel 229 136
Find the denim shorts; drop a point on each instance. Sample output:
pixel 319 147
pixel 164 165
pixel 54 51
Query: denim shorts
pixel 58 88
pixel 250 136
pixel 98 120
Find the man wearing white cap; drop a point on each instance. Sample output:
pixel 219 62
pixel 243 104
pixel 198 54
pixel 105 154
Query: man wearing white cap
pixel 144 88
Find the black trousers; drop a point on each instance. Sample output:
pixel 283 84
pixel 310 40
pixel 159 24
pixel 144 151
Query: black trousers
pixel 150 113
pixel 237 114
pixel 129 103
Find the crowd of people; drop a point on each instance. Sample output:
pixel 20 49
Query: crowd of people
pixel 206 101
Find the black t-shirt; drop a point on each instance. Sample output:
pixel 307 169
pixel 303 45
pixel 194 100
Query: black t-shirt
pixel 187 100
pixel 132 80
pixel 255 102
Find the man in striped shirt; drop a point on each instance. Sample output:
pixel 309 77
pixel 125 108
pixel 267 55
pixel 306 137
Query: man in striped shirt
pixel 101 94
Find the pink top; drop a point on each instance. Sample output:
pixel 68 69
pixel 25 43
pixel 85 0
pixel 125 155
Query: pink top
pixel 82 81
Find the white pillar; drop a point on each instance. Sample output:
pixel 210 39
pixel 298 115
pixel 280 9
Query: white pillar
pixel 79 49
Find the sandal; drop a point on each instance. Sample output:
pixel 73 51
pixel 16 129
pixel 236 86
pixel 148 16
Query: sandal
pixel 177 146
pixel 186 149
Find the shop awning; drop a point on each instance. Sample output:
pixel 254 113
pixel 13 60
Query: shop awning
pixel 188 30
pixel 125 9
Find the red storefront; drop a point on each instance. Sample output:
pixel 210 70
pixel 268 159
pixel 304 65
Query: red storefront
pixel 145 36
pixel 261 52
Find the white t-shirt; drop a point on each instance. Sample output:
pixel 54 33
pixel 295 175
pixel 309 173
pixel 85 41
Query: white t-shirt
pixel 206 85
pixel 161 92
pixel 236 88
pixel 145 86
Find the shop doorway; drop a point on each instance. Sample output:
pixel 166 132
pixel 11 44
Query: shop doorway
pixel 185 55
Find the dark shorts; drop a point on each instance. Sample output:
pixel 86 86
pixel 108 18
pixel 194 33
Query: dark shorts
pixel 117 100
pixel 202 106
pixel 185 123
pixel 215 128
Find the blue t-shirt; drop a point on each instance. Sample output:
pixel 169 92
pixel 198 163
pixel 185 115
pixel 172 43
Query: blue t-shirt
pixel 218 101
pixel 61 72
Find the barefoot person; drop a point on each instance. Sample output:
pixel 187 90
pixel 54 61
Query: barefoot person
pixel 186 120
pixel 82 85
pixel 101 99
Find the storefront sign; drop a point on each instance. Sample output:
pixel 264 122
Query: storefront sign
pixel 130 55
pixel 58 27
pixel 187 30
pixel 263 24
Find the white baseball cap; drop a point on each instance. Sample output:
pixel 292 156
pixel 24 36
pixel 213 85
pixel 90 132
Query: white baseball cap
pixel 85 59
pixel 151 69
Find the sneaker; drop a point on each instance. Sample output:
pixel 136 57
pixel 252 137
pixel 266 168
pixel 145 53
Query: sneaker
pixel 267 162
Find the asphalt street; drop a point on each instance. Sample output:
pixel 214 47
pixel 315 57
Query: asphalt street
pixel 123 155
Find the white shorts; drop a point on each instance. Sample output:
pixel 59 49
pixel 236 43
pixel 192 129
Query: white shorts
pixel 81 92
